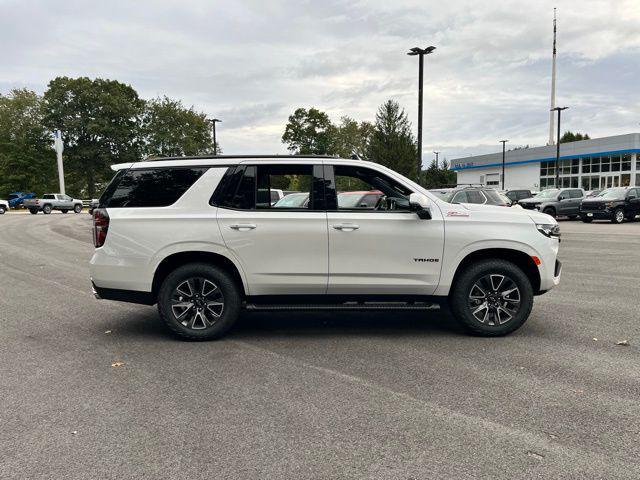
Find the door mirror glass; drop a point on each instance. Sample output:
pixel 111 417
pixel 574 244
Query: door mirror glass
pixel 420 204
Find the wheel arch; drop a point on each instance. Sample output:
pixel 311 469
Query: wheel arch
pixel 171 262
pixel 517 257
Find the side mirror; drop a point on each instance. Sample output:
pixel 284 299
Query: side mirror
pixel 420 204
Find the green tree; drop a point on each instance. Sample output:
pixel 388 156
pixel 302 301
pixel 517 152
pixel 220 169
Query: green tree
pixel 27 159
pixel 569 136
pixel 309 132
pixel 392 143
pixel 99 120
pixel 351 137
pixel 170 129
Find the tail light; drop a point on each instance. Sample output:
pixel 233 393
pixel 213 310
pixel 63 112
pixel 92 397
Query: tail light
pixel 100 226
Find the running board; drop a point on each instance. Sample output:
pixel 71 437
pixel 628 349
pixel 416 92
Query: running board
pixel 344 306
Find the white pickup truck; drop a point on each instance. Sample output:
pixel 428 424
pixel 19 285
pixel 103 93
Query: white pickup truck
pixel 4 206
pixel 53 201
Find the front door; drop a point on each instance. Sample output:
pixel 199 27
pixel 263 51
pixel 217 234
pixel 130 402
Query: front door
pixel 282 247
pixel 380 247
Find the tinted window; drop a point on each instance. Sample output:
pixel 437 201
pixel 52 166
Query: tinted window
pixel 49 196
pixel 575 193
pixel 474 196
pixel 282 177
pixel 150 187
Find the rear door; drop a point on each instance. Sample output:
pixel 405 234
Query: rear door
pixel 282 250
pixel 633 201
pixel 384 249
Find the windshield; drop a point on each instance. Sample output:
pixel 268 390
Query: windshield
pixel 293 200
pixel 441 194
pixel 551 193
pixel 612 193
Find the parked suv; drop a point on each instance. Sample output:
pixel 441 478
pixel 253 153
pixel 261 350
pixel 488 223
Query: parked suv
pixel 556 202
pixel 615 204
pixel 478 195
pixel 194 236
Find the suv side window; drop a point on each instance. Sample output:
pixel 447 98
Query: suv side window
pixel 295 178
pixel 350 187
pixel 474 196
pixel 151 187
pixel 575 193
pixel 460 197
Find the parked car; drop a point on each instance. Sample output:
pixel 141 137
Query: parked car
pixel 53 201
pixel 359 199
pixel 202 269
pixel 269 196
pixel 556 202
pixel 478 195
pixel 615 204
pixel 516 195
pixel 293 200
pixel 16 199
pixel 93 204
pixel 4 206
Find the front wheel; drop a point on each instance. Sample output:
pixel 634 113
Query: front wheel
pixel 2 210
pixel 491 298
pixel 550 211
pixel 199 301
pixel 618 216
pixel 77 208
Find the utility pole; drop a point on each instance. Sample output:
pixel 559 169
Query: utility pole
pixel 215 143
pixel 421 52
pixel 503 158
pixel 437 153
pixel 553 82
pixel 59 149
pixel 559 110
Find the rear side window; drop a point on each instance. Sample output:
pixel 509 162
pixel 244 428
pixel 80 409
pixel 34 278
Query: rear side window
pixel 473 196
pixel 149 187
pixel 575 193
pixel 49 196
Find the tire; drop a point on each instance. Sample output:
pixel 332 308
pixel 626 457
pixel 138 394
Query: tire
pixel 2 210
pixel 586 219
pixel 465 298
pixel 77 208
pixel 618 216
pixel 550 211
pixel 33 211
pixel 573 217
pixel 198 279
pixel 46 209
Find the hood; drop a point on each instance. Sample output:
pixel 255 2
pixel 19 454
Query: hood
pixel 530 200
pixel 534 215
pixel 601 200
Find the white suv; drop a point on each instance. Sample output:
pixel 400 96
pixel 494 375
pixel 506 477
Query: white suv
pixel 201 238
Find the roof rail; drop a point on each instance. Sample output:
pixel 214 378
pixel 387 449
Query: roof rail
pixel 224 157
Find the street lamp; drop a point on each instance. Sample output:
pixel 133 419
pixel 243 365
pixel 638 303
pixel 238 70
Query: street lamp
pixel 559 110
pixel 215 143
pixel 437 153
pixel 503 156
pixel 421 52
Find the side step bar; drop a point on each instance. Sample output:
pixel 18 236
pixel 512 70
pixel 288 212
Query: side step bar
pixel 362 306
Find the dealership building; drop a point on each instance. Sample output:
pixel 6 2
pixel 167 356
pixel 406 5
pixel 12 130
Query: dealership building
pixel 590 164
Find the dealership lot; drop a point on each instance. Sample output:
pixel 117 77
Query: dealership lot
pixel 385 395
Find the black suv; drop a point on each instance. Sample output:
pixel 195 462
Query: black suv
pixel 480 195
pixel 615 204
pixel 516 195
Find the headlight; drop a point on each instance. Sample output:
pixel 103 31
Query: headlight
pixel 549 229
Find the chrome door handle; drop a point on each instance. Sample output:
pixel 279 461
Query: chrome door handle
pixel 243 227
pixel 346 227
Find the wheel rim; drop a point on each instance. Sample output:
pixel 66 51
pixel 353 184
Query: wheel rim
pixel 197 303
pixel 619 216
pixel 494 299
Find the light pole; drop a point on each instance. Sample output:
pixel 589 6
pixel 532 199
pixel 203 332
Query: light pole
pixel 215 143
pixel 503 157
pixel 421 52
pixel 437 153
pixel 559 110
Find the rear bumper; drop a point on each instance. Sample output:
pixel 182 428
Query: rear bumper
pixel 129 296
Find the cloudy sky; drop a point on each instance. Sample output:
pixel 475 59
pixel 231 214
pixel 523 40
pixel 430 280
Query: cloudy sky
pixel 251 63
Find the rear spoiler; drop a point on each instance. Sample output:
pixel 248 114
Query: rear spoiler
pixel 121 166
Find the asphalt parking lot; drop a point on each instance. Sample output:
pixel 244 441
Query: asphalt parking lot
pixel 315 396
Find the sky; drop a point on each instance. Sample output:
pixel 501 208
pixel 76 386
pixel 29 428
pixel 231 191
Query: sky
pixel 252 63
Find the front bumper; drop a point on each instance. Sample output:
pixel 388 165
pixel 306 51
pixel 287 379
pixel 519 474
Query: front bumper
pixel 597 214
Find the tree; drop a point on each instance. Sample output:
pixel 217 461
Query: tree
pixel 392 143
pixel 27 159
pixel 308 132
pixel 351 137
pixel 170 129
pixel 569 136
pixel 99 120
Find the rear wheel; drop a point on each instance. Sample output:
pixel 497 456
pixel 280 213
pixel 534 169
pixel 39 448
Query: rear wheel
pixel 2 209
pixel 618 216
pixel 46 209
pixel 198 301
pixel 491 298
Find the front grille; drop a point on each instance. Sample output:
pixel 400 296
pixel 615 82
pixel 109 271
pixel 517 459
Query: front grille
pixel 529 206
pixel 592 206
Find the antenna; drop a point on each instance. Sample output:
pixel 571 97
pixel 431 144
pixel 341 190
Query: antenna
pixel 553 82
